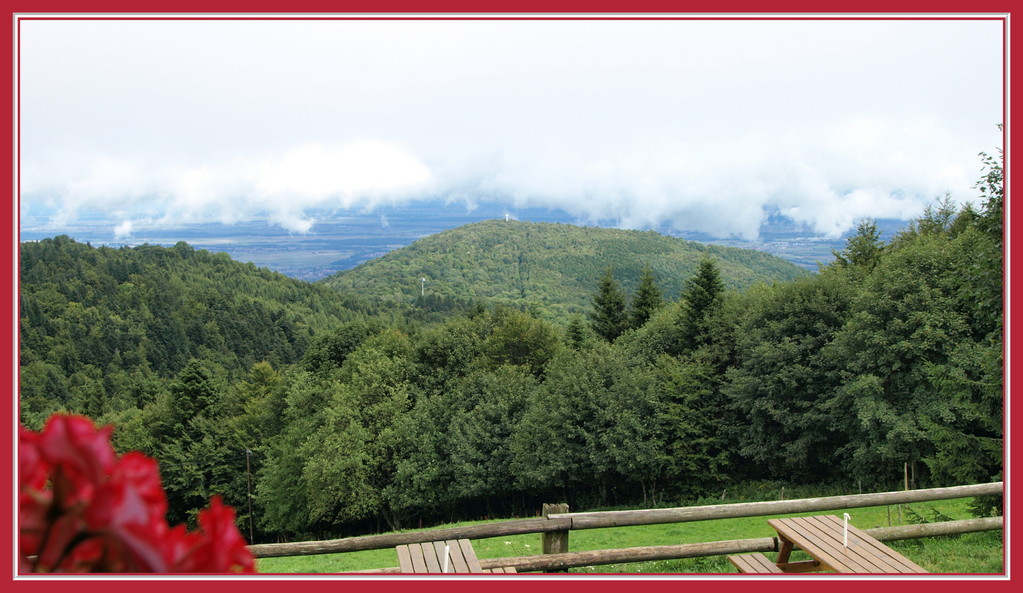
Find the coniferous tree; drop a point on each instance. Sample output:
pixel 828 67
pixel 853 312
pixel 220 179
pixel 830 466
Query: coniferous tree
pixel 648 300
pixel 609 318
pixel 191 394
pixel 577 332
pixel 702 294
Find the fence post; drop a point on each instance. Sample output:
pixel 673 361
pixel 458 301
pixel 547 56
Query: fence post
pixel 555 542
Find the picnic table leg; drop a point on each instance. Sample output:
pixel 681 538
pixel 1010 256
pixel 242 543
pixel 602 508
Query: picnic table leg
pixel 784 550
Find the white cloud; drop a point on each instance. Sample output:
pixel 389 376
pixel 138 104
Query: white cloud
pixel 355 174
pixel 704 125
pixel 281 187
pixel 123 231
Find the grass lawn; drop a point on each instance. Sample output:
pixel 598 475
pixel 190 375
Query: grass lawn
pixel 973 553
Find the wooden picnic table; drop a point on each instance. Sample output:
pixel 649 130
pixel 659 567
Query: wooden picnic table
pixel 429 557
pixel 822 537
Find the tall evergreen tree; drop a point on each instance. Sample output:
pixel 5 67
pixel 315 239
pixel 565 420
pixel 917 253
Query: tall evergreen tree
pixel 700 297
pixel 609 318
pixel 576 333
pixel 190 441
pixel 190 394
pixel 648 300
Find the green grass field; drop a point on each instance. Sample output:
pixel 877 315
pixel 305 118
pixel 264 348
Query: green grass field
pixel 974 553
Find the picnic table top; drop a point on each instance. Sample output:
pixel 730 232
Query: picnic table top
pixel 823 538
pixel 448 556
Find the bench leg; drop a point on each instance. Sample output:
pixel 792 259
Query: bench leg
pixel 784 550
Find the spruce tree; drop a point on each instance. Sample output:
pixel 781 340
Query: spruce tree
pixel 701 296
pixel 576 333
pixel 192 392
pixel 648 299
pixel 609 318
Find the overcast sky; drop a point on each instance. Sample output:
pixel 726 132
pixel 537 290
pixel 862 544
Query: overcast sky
pixel 702 124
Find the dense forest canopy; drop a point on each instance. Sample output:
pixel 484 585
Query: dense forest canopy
pixel 102 329
pixel 549 267
pixel 657 388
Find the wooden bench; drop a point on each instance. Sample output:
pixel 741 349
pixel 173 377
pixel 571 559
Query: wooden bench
pixel 824 538
pixel 449 556
pixel 755 563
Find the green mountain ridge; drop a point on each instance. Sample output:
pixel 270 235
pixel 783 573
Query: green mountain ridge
pixel 103 328
pixel 552 267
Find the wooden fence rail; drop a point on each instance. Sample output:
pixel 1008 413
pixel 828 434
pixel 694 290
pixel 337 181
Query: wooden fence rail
pixel 741 546
pixel 568 521
pixel 777 507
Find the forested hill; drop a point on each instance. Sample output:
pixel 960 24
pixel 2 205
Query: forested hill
pixel 102 328
pixel 554 267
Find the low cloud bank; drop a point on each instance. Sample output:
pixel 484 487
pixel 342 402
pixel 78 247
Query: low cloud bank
pixel 727 187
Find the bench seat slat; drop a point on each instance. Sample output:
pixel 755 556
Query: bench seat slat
pixel 754 563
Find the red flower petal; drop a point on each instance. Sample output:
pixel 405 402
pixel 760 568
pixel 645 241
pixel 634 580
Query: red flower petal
pixel 132 494
pixel 102 513
pixel 56 542
pixel 220 546
pixel 80 455
pixel 32 470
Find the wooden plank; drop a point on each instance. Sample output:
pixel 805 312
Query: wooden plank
pixel 440 547
pixel 754 563
pixel 895 561
pixel 764 563
pixel 458 563
pixel 801 567
pixel 822 537
pixel 418 560
pixel 829 548
pixel 843 559
pixel 472 563
pixel 741 562
pixel 793 530
pixel 784 549
pixel 876 548
pixel 434 558
pixel 857 555
pixel 404 559
pixel 862 550
pixel 430 557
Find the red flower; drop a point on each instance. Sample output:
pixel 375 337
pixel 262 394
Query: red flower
pixel 80 457
pixel 83 509
pixel 218 547
pixel 33 499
